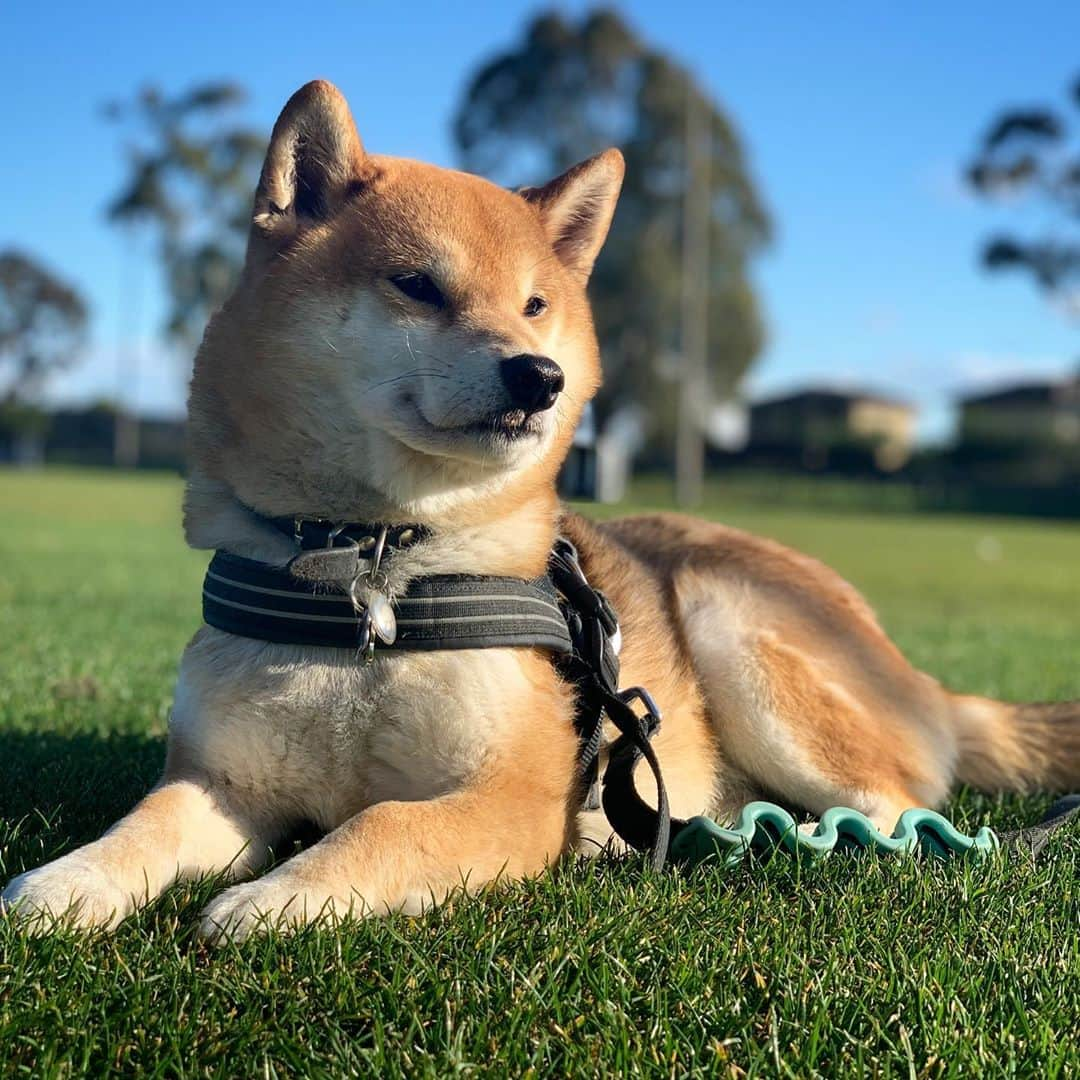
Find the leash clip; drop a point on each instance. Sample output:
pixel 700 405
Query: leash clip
pixel 652 716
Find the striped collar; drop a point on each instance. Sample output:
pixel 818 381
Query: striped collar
pixel 312 534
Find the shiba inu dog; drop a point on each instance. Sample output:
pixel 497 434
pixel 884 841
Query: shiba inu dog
pixel 409 344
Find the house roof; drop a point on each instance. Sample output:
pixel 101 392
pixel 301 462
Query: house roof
pixel 814 395
pixel 1031 392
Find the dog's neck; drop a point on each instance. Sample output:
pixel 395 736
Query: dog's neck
pixel 512 537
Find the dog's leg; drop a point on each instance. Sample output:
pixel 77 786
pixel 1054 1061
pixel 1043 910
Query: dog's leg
pixel 810 728
pixel 511 821
pixel 180 830
pixel 400 856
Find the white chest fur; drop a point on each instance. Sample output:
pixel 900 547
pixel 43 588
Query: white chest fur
pixel 301 732
pixel 316 733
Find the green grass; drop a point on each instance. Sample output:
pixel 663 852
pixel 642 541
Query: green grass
pixel 853 967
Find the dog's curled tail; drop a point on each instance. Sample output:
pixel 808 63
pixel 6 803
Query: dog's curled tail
pixel 1005 747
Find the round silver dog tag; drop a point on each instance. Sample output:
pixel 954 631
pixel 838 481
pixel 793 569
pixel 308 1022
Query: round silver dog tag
pixel 383 620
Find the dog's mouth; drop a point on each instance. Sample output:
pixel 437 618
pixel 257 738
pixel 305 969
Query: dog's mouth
pixel 499 435
pixel 509 425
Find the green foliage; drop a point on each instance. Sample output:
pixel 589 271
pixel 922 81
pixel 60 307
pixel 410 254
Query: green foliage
pixel 571 89
pixel 853 968
pixel 1032 152
pixel 42 325
pixel 192 170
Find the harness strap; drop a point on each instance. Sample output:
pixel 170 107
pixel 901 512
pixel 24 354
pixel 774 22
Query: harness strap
pixel 449 611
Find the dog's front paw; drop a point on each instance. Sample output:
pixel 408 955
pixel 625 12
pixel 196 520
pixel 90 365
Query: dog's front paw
pixel 70 891
pixel 269 904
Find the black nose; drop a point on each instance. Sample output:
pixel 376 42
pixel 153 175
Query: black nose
pixel 533 382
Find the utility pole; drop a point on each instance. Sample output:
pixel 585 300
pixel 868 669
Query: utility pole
pixel 693 384
pixel 125 419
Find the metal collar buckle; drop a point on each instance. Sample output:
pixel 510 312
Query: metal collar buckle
pixel 378 621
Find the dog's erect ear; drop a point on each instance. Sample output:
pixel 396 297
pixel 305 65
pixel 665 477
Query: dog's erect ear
pixel 577 207
pixel 314 161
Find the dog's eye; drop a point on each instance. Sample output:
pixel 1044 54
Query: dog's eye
pixel 419 287
pixel 535 305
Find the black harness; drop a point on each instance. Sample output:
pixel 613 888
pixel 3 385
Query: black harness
pixel 329 595
pixel 447 611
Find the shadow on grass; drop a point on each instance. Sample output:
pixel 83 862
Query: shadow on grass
pixel 60 791
pixel 73 786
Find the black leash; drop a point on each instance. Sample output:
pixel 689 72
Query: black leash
pixel 593 667
pixel 1033 839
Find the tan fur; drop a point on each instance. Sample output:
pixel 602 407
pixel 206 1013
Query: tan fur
pixel 322 390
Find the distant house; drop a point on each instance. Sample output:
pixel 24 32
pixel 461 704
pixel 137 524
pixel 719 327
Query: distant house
pixel 818 425
pixel 87 436
pixel 1037 413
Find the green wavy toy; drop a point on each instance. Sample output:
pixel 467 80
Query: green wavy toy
pixel 763 826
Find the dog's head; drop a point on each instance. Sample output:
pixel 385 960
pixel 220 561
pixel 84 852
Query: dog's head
pixel 404 338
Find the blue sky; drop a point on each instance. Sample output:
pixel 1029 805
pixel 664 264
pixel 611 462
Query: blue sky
pixel 857 119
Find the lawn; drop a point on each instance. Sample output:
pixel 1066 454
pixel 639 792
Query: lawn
pixel 854 967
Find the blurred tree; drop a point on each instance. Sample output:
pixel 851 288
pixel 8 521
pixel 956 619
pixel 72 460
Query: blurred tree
pixel 1029 152
pixel 42 325
pixel 572 89
pixel 191 173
